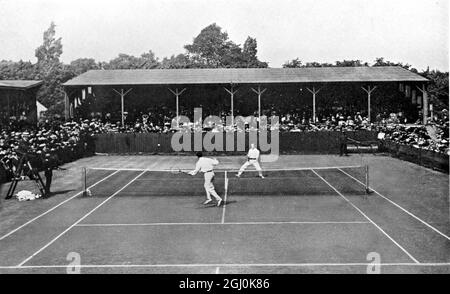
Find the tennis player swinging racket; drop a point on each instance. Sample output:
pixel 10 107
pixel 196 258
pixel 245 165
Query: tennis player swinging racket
pixel 206 166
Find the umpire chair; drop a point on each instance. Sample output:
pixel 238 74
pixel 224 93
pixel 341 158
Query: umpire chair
pixel 24 168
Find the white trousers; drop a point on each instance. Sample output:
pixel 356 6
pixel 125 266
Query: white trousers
pixel 209 186
pixel 253 162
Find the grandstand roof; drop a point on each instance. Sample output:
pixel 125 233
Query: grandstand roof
pixel 244 76
pixel 19 84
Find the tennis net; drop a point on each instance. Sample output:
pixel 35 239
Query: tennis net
pixel 320 181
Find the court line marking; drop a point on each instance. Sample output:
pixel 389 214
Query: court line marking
pixel 225 197
pixel 79 220
pixel 236 170
pixel 435 264
pixel 398 206
pixel 56 206
pixel 228 223
pixel 360 211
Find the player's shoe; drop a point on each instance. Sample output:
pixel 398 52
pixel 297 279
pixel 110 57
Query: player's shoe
pixel 261 176
pixel 219 202
pixel 238 175
pixel 207 201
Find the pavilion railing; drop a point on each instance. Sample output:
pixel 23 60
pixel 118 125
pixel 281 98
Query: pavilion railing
pixel 424 157
pixel 321 142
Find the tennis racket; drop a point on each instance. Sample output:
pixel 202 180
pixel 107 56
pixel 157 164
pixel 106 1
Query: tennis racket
pixel 176 170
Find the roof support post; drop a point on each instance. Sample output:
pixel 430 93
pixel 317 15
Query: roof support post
pixel 231 92
pixel 431 111
pixel 66 106
pixel 122 94
pixel 177 95
pixel 369 91
pixel 424 92
pixel 259 92
pixel 8 93
pixel 314 92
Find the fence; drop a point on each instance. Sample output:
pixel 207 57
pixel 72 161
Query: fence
pixel 423 157
pixel 322 142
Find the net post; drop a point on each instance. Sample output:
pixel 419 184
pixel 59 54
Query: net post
pixel 83 181
pixel 367 179
pixel 226 185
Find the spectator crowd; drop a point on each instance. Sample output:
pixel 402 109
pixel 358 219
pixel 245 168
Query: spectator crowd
pixel 434 136
pixel 67 141
pixel 75 139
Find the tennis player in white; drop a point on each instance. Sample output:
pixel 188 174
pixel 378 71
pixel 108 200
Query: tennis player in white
pixel 252 159
pixel 206 166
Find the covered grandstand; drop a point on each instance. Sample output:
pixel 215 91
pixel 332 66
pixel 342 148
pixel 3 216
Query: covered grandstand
pixel 128 90
pixel 18 100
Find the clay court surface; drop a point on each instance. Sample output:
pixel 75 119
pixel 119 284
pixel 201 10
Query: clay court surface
pixel 142 219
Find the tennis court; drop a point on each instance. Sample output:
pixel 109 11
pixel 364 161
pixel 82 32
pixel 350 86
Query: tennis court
pixel 311 214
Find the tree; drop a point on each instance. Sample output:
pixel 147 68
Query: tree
pixel 381 62
pixel 179 61
pixel 125 61
pixel 149 60
pixel 51 71
pixel 438 87
pixel 249 52
pixel 212 49
pixel 351 63
pixel 82 65
pixel 233 57
pixel 294 63
pixel 209 46
pixel 51 49
pixel 21 70
pixel 317 64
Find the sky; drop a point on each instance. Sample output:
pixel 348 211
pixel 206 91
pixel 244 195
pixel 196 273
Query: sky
pixel 409 31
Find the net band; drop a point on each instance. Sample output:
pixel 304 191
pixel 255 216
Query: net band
pixel 230 169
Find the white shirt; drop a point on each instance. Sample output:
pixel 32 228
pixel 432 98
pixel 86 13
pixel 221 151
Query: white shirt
pixel 205 164
pixel 253 153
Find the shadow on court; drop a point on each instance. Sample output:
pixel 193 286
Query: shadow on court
pixel 214 205
pixel 55 193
